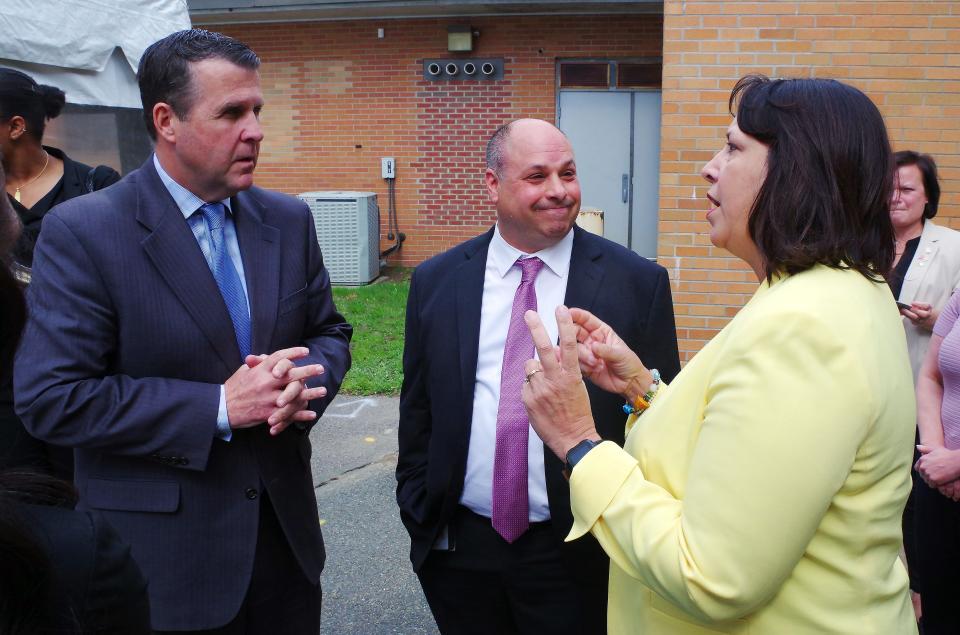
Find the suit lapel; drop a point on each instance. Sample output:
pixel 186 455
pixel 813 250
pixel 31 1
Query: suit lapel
pixel 260 250
pixel 469 290
pixel 173 250
pixel 586 273
pixel 919 267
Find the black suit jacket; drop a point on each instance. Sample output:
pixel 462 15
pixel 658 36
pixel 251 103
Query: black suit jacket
pixel 623 289
pixel 126 347
pixel 95 586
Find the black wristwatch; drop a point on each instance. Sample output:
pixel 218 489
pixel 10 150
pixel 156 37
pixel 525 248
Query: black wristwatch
pixel 576 453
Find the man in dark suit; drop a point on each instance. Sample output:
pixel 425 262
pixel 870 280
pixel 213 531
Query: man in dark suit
pixel 491 557
pixel 183 338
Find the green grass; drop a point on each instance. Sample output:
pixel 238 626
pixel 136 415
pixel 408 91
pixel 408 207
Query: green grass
pixel 376 312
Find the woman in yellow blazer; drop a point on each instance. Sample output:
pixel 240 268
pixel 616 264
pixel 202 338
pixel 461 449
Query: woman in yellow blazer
pixel 760 492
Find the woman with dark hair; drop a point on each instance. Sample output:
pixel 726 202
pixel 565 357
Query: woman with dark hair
pixel 38 177
pixel 762 490
pixel 926 266
pixel 926 270
pixel 61 571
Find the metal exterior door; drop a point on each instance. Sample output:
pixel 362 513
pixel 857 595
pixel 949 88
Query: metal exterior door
pixel 646 173
pixel 598 126
pixel 616 140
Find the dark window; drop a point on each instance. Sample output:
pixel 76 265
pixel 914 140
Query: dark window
pixel 638 75
pixel 584 75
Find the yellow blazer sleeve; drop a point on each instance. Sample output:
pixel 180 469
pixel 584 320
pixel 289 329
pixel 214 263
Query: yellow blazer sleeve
pixel 786 408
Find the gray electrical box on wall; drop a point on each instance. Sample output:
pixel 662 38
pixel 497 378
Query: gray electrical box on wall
pixel 348 230
pixel 388 169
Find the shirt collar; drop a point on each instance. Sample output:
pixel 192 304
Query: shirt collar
pixel 186 201
pixel 556 257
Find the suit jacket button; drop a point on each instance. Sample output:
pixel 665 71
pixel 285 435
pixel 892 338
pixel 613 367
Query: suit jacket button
pixel 183 460
pixel 251 493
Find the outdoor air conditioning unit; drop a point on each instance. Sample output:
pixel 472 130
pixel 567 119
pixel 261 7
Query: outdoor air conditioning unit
pixel 348 230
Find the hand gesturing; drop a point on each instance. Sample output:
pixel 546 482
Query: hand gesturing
pixel 556 399
pixel 605 358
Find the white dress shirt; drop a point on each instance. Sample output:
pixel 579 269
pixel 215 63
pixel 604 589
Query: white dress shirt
pixel 500 282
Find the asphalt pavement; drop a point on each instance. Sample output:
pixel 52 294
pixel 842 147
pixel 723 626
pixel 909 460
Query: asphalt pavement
pixel 368 585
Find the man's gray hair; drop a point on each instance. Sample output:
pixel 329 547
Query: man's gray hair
pixel 495 148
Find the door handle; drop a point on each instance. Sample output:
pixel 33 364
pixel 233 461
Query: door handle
pixel 625 188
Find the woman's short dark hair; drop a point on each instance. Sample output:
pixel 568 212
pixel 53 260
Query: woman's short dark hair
pixel 928 170
pixel 164 73
pixel 826 197
pixel 20 95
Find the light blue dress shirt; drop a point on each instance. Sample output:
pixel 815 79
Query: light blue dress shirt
pixel 189 203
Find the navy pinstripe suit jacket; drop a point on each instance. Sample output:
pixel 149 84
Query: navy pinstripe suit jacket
pixel 126 348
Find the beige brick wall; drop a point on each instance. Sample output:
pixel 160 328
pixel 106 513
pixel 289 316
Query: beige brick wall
pixel 904 55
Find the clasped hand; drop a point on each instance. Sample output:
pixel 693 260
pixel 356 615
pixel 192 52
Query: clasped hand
pixel 272 389
pixel 940 469
pixel 554 394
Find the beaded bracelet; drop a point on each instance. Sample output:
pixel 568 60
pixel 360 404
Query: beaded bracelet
pixel 642 402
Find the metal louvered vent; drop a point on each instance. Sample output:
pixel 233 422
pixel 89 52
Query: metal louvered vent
pixel 348 230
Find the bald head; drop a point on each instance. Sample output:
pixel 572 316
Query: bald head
pixel 532 179
pixel 497 145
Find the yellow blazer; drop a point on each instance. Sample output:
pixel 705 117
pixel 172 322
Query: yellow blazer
pixel 763 489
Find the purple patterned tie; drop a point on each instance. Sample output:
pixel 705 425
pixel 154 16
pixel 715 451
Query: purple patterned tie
pixel 511 506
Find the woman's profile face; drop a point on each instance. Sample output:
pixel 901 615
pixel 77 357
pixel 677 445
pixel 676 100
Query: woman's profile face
pixel 736 174
pixel 909 198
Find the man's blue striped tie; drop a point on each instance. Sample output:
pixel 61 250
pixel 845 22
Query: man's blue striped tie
pixel 226 275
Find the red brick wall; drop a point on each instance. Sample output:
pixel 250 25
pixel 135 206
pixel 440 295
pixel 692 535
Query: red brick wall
pixel 338 98
pixel 904 55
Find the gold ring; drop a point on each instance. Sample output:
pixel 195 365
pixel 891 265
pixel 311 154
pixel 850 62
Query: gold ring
pixel 532 373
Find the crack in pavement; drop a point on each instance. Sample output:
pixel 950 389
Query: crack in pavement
pixel 391 457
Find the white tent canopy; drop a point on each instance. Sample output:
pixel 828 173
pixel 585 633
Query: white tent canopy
pixel 88 48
